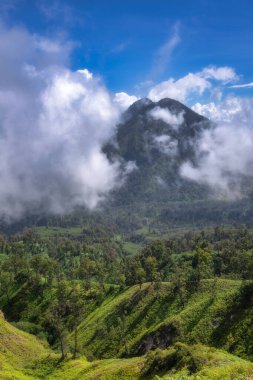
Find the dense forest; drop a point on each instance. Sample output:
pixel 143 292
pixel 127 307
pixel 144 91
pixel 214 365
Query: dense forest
pixel 89 297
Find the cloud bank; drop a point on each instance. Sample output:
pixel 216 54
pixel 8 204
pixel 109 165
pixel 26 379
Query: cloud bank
pixel 225 152
pixel 123 100
pixel 192 84
pixel 175 120
pixel 53 123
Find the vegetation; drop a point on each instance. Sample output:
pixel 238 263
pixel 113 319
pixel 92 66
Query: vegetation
pixel 17 348
pixel 24 357
pixel 154 317
pixel 127 313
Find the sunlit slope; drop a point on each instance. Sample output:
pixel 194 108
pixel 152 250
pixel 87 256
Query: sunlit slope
pixel 129 323
pixel 17 350
pixel 23 357
pixel 178 362
pixel 195 362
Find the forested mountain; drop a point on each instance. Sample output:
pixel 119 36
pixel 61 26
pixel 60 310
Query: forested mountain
pixel 157 138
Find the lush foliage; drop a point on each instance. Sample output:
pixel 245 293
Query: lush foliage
pixel 86 296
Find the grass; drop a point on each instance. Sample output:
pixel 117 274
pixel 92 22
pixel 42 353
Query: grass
pixel 16 350
pixel 182 362
pixel 24 357
pixel 131 248
pixel 110 369
pixel 47 232
pixel 131 321
pixel 178 362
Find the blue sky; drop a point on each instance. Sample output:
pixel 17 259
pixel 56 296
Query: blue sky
pixel 68 69
pixel 123 41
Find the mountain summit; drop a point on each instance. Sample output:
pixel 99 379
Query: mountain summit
pixel 157 137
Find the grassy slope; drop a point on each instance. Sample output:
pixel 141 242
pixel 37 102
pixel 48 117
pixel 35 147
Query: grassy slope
pixel 196 362
pixel 136 319
pixel 23 357
pixel 109 369
pixel 178 362
pixel 16 350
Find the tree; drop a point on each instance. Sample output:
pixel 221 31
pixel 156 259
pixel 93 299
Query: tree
pixel 204 263
pixel 151 269
pixel 76 310
pixel 6 283
pixel 123 329
pixel 55 317
pixel 180 280
pixel 58 312
pixel 140 275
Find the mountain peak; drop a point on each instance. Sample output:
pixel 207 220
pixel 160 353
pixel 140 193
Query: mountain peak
pixel 146 135
pixel 142 108
pixel 158 142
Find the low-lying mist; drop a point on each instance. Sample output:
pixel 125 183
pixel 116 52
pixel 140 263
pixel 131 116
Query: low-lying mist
pixel 224 152
pixel 53 124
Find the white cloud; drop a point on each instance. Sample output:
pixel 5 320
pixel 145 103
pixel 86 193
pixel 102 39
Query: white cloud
pixel 192 84
pixel 88 75
pixel 160 182
pixel 180 89
pixel 166 144
pixel 163 55
pixel 216 94
pixel 244 85
pixel 123 100
pixel 232 110
pixel 53 124
pixel 175 120
pixel 224 74
pixel 225 152
pixel 46 45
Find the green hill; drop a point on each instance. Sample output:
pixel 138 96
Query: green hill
pixel 178 362
pixel 136 320
pixel 23 357
pixel 17 349
pixel 181 308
